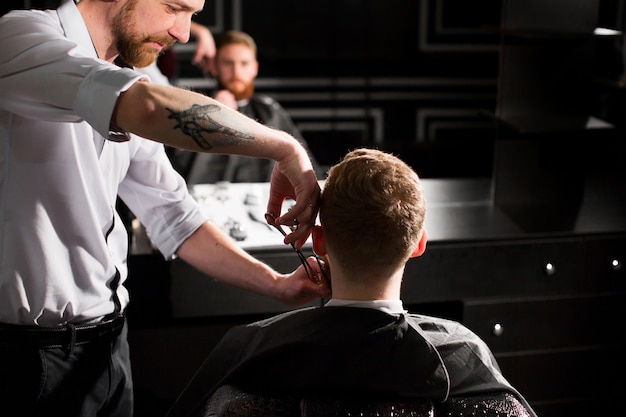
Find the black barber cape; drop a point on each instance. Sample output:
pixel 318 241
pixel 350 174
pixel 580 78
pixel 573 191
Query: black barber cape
pixel 347 351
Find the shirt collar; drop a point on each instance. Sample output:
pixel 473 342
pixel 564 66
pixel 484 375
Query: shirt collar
pixel 74 27
pixel 394 307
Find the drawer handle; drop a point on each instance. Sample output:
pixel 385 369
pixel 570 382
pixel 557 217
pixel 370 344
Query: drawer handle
pixel 616 264
pixel 549 269
pixel 497 329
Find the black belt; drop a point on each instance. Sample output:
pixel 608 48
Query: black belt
pixel 57 337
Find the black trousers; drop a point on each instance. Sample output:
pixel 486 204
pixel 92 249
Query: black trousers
pixel 88 380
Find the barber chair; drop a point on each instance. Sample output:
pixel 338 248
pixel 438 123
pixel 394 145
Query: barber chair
pixel 230 401
pixel 497 404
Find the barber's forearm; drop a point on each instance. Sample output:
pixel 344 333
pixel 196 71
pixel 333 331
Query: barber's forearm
pixel 213 253
pixel 192 121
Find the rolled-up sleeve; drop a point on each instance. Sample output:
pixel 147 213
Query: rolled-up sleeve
pixel 159 197
pixel 46 76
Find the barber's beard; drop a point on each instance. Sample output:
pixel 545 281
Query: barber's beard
pixel 134 49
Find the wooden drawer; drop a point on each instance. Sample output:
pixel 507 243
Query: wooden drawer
pixel 605 260
pixel 496 269
pixel 542 324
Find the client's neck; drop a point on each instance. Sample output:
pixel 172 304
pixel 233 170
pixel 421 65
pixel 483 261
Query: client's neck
pixel 351 288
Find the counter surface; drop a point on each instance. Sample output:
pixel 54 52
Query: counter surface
pixel 460 214
pixel 458 209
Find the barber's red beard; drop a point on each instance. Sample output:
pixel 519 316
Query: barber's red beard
pixel 134 49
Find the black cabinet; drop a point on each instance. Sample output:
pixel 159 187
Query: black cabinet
pixel 551 303
pixel 551 310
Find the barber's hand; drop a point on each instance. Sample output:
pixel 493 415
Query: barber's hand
pixel 204 56
pixel 227 98
pixel 297 289
pixel 294 178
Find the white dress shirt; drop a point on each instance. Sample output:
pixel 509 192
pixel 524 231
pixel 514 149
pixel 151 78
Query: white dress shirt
pixel 393 307
pixel 61 170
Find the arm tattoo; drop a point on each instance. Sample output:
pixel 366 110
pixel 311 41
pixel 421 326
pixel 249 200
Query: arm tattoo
pixel 196 122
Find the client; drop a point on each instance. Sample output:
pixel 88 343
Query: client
pixel 362 341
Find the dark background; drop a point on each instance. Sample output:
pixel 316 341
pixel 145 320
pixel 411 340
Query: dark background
pixel 416 77
pixel 459 90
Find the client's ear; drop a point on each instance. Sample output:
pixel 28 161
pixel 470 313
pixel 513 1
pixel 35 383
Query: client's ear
pixel 319 247
pixel 421 245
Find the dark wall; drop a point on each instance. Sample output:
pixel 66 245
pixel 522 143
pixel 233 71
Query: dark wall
pixel 7 5
pixel 414 77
